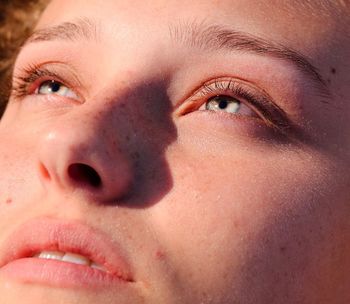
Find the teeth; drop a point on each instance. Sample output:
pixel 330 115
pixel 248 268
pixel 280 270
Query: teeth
pixel 69 258
pixel 76 259
pixel 53 255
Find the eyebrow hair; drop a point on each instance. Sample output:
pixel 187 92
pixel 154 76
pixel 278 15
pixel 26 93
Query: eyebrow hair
pixel 215 37
pixel 196 35
pixel 83 28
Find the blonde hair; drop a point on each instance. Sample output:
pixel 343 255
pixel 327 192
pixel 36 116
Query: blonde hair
pixel 17 19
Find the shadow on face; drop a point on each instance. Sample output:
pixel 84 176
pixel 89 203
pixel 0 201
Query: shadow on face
pixel 145 129
pixel 138 124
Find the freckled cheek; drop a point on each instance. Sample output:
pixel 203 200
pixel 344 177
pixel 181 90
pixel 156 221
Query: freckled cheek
pixel 18 172
pixel 231 199
pixel 229 236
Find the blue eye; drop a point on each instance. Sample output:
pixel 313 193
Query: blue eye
pixel 54 87
pixel 228 104
pixel 223 103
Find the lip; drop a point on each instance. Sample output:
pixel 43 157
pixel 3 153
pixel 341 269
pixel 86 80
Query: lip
pixel 47 234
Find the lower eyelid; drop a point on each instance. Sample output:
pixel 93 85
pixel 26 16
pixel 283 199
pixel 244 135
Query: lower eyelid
pixel 216 121
pixel 226 128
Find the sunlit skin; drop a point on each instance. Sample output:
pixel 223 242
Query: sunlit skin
pixel 207 205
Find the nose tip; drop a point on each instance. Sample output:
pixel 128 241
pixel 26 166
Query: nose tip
pixel 93 164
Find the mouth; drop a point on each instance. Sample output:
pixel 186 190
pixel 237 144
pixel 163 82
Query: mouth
pixel 63 254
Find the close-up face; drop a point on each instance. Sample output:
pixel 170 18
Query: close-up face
pixel 178 152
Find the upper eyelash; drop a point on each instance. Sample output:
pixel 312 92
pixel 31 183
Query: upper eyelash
pixel 21 84
pixel 270 112
pixel 232 87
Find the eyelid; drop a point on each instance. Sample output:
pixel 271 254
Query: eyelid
pixel 247 93
pixel 26 81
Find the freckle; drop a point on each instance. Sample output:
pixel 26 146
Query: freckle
pixel 328 80
pixel 136 155
pixel 333 70
pixel 9 201
pixel 160 255
pixel 283 249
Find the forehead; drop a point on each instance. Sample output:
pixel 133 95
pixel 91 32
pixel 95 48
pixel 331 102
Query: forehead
pixel 284 21
pixel 172 9
pixel 300 25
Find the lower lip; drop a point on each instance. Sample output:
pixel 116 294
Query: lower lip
pixel 58 274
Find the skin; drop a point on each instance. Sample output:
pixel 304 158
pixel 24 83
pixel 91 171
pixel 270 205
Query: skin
pixel 209 207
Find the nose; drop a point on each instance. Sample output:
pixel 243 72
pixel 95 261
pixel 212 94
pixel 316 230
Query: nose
pixel 81 155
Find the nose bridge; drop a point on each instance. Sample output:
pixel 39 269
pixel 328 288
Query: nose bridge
pixel 113 146
pixel 81 151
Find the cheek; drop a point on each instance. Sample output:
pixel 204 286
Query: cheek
pixel 17 174
pixel 249 219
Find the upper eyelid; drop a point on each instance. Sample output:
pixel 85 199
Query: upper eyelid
pixel 60 72
pixel 41 75
pixel 222 86
pixel 199 88
pixel 205 87
pixel 267 109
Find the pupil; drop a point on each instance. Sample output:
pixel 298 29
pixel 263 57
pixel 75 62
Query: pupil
pixel 55 86
pixel 222 104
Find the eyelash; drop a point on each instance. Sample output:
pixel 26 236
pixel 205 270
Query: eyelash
pixel 262 105
pixel 31 79
pixel 34 76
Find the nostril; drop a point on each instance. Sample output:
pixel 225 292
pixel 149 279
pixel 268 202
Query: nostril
pixel 85 174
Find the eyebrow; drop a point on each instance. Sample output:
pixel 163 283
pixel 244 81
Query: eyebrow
pixel 83 28
pixel 218 37
pixel 197 35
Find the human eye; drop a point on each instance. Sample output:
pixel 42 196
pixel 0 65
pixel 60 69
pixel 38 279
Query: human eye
pixel 235 98
pixel 228 104
pixel 55 87
pixel 44 82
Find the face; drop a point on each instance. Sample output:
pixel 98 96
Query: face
pixel 177 153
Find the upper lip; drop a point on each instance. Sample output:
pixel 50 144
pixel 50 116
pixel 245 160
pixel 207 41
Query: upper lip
pixel 48 234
